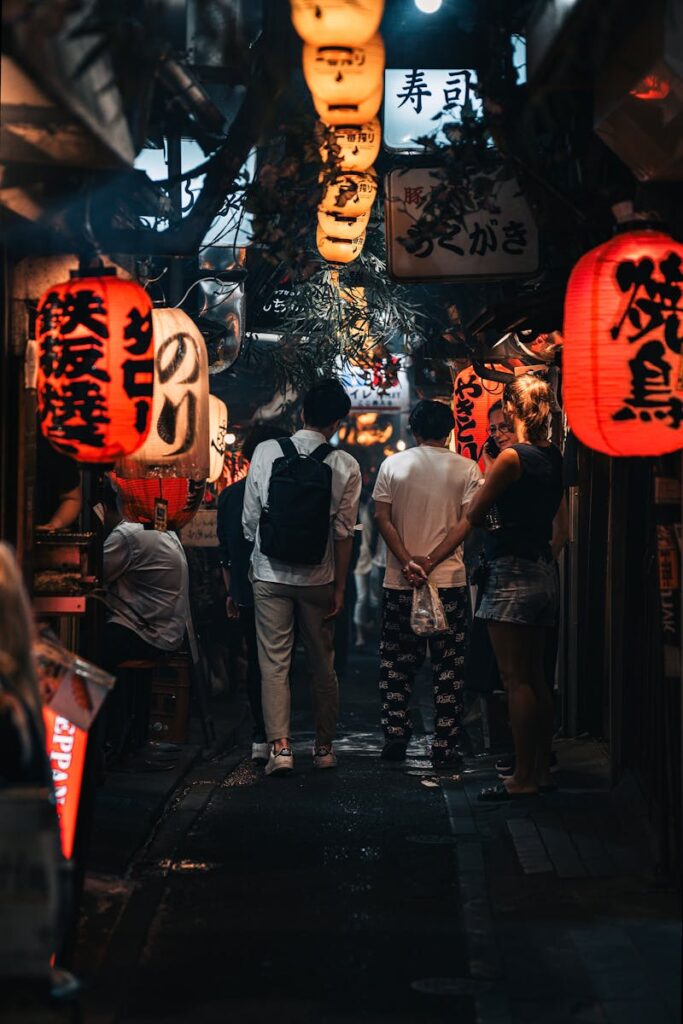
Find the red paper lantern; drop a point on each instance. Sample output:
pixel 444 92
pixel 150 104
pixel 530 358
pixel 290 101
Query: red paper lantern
pixel 95 367
pixel 623 376
pixel 142 500
pixel 472 399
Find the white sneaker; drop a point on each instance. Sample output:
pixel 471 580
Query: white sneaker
pixel 280 762
pixel 260 752
pixel 324 757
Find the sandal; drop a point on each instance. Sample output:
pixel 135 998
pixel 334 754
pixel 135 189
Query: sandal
pixel 501 795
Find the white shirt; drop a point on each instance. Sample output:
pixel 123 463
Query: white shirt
pixel 346 487
pixel 148 570
pixel 428 489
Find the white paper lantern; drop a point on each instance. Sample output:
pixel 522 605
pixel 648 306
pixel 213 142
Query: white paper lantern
pixel 358 146
pixel 218 428
pixel 178 441
pixel 336 22
pixel 337 226
pixel 344 74
pixel 337 113
pixel 339 250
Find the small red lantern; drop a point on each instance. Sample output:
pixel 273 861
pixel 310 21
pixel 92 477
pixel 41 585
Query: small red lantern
pixel 472 399
pixel 623 379
pixel 163 502
pixel 95 367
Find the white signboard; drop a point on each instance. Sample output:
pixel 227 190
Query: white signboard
pixel 364 397
pixel 413 98
pixel 202 530
pixel 486 244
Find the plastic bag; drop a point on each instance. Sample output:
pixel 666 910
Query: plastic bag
pixel 427 617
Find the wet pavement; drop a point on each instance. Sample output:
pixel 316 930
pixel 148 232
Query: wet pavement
pixel 375 893
pixel 328 896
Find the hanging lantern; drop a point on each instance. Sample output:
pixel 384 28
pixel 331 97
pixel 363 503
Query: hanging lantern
pixel 351 195
pixel 358 146
pixel 472 399
pixel 623 379
pixel 344 74
pixel 336 226
pixel 95 367
pixel 218 427
pixel 336 22
pixel 178 442
pixel 339 250
pixel 163 503
pixel 347 114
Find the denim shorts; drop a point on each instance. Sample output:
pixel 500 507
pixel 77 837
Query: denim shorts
pixel 522 591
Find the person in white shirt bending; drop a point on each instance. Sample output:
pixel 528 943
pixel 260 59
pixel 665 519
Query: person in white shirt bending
pixel 420 501
pixel 300 509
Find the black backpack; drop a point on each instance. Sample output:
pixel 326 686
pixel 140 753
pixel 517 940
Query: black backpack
pixel 295 524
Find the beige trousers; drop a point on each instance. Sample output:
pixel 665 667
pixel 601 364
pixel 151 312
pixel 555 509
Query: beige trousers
pixel 277 606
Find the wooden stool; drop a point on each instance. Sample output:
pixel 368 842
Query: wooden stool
pixel 170 695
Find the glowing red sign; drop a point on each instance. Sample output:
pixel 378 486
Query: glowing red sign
pixel 66 751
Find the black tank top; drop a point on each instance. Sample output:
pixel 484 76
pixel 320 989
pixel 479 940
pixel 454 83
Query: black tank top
pixel 526 510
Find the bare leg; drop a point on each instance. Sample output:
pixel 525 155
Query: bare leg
pixel 519 652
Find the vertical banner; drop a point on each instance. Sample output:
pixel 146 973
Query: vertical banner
pixel 66 745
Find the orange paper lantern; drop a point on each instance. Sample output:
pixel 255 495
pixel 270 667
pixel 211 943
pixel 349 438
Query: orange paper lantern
pixel 95 367
pixel 623 379
pixel 344 74
pixel 336 22
pixel 472 399
pixel 358 146
pixel 337 113
pixel 174 499
pixel 339 250
pixel 337 226
pixel 350 195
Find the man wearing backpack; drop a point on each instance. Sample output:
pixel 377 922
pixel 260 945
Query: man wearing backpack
pixel 300 509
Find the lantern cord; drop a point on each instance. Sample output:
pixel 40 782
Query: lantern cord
pixel 209 277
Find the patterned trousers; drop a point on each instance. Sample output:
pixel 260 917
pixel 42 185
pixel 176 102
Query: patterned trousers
pixel 402 653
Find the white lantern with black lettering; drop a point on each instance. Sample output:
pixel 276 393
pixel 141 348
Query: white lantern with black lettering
pixel 178 441
pixel 218 428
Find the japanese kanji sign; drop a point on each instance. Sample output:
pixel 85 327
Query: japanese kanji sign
pixel 178 442
pixel 472 399
pixel 95 367
pixel 363 396
pixel 623 338
pixel 485 245
pixel 413 98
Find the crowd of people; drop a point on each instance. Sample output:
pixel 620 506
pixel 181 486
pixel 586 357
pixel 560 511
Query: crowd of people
pixel 485 543
pixel 287 536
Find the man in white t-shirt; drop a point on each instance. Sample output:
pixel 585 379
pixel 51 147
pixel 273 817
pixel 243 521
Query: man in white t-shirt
pixel 420 500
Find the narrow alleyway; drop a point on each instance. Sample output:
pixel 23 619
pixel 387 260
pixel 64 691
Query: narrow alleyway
pixel 323 897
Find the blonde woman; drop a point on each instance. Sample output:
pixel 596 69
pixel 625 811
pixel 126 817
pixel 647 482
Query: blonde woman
pixel 523 492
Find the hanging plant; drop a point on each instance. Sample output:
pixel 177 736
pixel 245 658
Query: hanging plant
pixel 336 314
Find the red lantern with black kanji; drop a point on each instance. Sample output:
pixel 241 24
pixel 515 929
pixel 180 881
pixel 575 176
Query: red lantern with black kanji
pixel 161 502
pixel 472 398
pixel 95 367
pixel 623 325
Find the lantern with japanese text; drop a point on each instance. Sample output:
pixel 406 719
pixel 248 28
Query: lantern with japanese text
pixel 472 398
pixel 354 147
pixel 622 359
pixel 166 503
pixel 339 250
pixel 336 22
pixel 95 367
pixel 350 195
pixel 337 113
pixel 178 442
pixel 344 74
pixel 218 427
pixel 337 226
